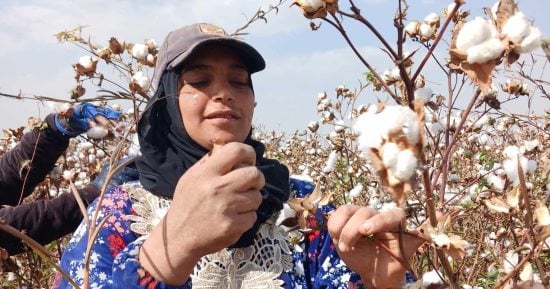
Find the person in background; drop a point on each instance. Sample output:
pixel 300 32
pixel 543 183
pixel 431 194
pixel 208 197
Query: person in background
pixel 204 211
pixel 27 164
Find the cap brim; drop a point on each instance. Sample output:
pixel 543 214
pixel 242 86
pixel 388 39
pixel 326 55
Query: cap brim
pixel 249 55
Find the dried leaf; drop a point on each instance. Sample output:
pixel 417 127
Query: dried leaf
pixel 542 214
pixel 512 198
pixel 457 247
pixel 498 205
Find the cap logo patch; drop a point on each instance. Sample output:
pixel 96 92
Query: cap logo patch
pixel 211 29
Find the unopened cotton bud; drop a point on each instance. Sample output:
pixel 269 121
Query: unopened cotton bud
pixel 140 51
pixel 97 132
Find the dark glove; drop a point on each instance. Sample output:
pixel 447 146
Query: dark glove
pixel 82 114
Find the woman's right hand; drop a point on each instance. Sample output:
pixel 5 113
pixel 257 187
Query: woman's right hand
pixel 214 203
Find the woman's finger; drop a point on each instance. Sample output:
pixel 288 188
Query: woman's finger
pixel 103 121
pixel 338 219
pixel 351 231
pixel 386 221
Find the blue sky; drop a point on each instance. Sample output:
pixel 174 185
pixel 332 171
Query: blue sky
pixel 300 63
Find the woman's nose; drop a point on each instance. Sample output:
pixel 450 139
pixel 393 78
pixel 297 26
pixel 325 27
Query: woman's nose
pixel 224 93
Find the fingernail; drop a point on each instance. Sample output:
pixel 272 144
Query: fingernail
pixel 343 247
pixel 367 227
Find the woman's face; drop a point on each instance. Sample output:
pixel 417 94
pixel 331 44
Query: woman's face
pixel 216 101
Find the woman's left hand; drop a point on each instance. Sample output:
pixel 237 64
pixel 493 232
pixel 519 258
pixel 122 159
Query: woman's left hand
pixel 363 237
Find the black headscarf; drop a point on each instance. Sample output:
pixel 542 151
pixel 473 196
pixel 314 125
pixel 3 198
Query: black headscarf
pixel 168 151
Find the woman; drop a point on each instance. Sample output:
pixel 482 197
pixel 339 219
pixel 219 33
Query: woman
pixel 203 218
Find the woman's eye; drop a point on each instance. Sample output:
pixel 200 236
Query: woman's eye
pixel 239 83
pixel 198 82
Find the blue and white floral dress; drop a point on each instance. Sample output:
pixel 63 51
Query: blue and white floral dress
pixel 271 262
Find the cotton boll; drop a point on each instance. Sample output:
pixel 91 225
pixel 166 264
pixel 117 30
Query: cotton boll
pixel 97 132
pixel 531 42
pixel 412 28
pixel 409 122
pixel 474 32
pixel 339 126
pixel 488 50
pixel 511 259
pixel 140 51
pixel 483 139
pixel 390 151
pixel 496 182
pixel 431 278
pixel 369 135
pixel 100 154
pixel 511 152
pixel 531 166
pixel 433 20
pixel 286 213
pixel 86 61
pixel 332 158
pixel 516 28
pixel 141 79
pixel 356 191
pixel 531 145
pixel 405 165
pixel 426 31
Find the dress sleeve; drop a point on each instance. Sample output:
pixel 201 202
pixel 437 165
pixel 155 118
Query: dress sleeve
pixel 44 220
pixel 28 163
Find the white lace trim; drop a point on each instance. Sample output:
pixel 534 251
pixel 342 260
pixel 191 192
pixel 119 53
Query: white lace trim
pixel 258 266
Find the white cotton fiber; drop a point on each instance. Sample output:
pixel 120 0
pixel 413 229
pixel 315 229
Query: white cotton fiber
pixel 531 42
pixel 516 28
pixel 473 33
pixel 488 50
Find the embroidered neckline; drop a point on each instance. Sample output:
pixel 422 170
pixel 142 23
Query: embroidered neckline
pixel 257 266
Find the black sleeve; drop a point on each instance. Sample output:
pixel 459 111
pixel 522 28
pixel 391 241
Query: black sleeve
pixel 44 220
pixel 26 165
